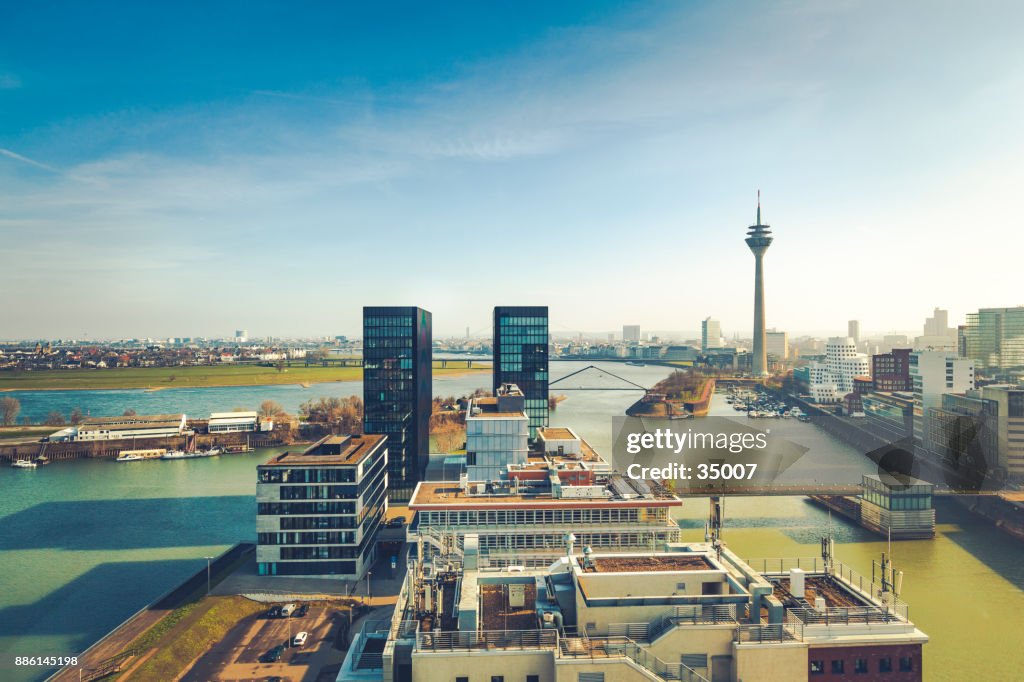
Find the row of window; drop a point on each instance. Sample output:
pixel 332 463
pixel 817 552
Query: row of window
pixel 534 517
pixel 861 666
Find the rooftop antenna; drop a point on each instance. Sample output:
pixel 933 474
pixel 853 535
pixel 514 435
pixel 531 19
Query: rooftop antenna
pixel 758 207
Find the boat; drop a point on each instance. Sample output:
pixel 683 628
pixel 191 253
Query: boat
pixel 631 363
pixel 23 464
pixel 180 454
pixel 129 458
pixel 175 454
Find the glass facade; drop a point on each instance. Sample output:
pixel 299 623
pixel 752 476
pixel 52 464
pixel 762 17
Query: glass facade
pixel 521 357
pixel 917 496
pixel 994 338
pixel 397 390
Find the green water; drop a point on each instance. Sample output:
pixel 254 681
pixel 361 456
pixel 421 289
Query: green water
pixel 85 544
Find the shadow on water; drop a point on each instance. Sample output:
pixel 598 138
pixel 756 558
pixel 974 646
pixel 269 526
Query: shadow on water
pixel 81 610
pixel 978 537
pixel 129 523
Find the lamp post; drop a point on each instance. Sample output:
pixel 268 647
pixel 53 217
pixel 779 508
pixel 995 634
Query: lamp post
pixel 369 587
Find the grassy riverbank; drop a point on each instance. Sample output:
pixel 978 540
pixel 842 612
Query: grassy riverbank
pixel 193 377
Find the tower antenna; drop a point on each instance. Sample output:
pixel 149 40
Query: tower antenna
pixel 758 207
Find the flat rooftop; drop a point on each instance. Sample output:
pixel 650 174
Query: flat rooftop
pixel 555 433
pixel 132 420
pixel 497 614
pixel 332 450
pixel 446 493
pixel 650 564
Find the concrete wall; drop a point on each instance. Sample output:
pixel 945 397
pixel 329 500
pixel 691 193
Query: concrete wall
pixel 769 662
pixel 479 665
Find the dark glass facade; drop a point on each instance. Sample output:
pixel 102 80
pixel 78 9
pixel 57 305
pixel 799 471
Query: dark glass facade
pixel 397 390
pixel 521 357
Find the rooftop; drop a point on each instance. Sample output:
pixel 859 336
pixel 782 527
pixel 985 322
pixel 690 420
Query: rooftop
pixel 446 493
pixel 649 564
pixel 133 419
pixel 331 450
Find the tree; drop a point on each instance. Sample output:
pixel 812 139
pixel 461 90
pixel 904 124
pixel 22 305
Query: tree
pixel 449 436
pixel 55 418
pixel 279 364
pixel 271 409
pixel 344 414
pixel 129 413
pixel 10 407
pixel 76 415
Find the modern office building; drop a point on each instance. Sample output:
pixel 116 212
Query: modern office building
pixel 521 357
pixel 830 381
pixel 710 334
pixel 777 344
pixel 994 339
pixel 631 333
pixel 758 240
pixel 497 433
pixel 694 612
pixel 938 335
pixel 891 371
pixel 933 373
pixel 853 330
pixel 982 428
pixel 318 511
pixel 397 372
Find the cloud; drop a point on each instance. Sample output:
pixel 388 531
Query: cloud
pixel 24 159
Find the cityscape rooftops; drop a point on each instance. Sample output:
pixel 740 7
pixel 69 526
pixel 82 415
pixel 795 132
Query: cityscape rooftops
pixel 332 450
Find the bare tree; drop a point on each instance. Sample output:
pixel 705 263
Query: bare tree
pixel 76 415
pixel 10 407
pixel 271 409
pixel 449 436
pixel 130 412
pixel 279 364
pixel 55 418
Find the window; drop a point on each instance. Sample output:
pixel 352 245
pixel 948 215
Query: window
pixel 533 678
pixel 817 667
pixel 860 666
pixel 497 678
pixel 462 679
pixel 906 664
pixel 837 667
pixel 885 665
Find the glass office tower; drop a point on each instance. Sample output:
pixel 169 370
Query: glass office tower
pixel 397 390
pixel 521 357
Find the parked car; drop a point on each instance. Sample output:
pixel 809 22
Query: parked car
pixel 274 612
pixel 274 655
pixel 396 522
pixel 301 611
pixel 287 610
pixel 300 639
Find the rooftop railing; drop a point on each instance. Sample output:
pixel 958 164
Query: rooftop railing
pixel 486 639
pixel 624 647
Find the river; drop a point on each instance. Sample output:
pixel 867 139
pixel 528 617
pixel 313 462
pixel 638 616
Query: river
pixel 85 544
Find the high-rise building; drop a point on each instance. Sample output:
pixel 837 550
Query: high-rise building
pixel 777 344
pixel 521 357
pixel 933 373
pixel 318 511
pixel 994 338
pixel 710 334
pixel 241 335
pixel 758 240
pixel 497 433
pixel 397 375
pixel 631 333
pixel 853 330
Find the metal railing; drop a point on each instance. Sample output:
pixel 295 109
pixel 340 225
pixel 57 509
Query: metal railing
pixel 854 581
pixel 769 634
pixel 487 639
pixel 624 647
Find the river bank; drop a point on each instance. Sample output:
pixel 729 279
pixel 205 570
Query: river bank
pixel 204 376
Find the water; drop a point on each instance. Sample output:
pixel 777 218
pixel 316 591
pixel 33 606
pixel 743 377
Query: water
pixel 85 544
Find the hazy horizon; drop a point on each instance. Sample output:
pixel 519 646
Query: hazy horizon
pixel 189 170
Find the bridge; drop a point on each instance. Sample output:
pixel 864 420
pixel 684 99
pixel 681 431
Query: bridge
pixel 625 384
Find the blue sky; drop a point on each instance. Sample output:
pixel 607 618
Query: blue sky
pixel 183 169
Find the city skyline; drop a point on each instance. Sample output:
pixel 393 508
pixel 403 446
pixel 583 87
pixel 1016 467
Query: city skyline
pixel 627 141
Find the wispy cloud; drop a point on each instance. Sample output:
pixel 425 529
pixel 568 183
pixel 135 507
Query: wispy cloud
pixel 24 159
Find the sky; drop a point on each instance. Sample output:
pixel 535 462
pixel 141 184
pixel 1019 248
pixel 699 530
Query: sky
pixel 187 169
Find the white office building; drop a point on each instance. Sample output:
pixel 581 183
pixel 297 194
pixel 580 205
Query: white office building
pixel 932 373
pixel 497 433
pixel 833 379
pixel 631 333
pixel 777 344
pixel 710 334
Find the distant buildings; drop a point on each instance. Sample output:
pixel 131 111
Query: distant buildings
pixel 232 422
pixel 521 357
pixel 853 330
pixel 710 334
pixel 135 426
pixel 758 240
pixel 631 333
pixel 318 510
pixel 994 339
pixel 938 335
pixel 933 373
pixel 397 376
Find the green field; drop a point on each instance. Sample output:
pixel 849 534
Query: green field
pixel 173 377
